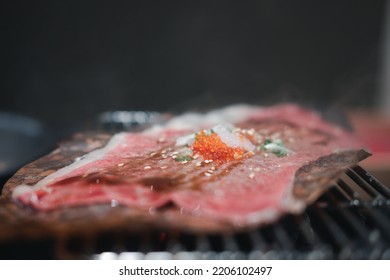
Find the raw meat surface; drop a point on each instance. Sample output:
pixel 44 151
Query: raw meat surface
pixel 148 170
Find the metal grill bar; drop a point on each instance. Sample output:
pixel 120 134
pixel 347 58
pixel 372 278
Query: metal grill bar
pixel 305 232
pixel 328 228
pixel 350 221
pixel 349 193
pixel 346 222
pixel 282 237
pixel 347 217
pixel 257 242
pixel 372 181
pixel 372 192
pixel 379 220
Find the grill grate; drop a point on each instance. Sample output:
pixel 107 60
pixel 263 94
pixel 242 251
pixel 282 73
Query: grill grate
pixel 350 221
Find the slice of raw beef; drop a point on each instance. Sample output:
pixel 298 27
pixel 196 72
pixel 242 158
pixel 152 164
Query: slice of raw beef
pixel 240 164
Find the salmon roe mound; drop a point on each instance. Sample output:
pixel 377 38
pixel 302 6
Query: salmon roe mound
pixel 211 147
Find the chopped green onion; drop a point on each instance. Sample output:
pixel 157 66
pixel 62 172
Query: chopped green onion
pixel 276 147
pixel 209 132
pixel 280 153
pixel 264 146
pixel 183 158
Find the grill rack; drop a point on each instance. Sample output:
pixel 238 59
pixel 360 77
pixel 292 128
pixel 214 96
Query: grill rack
pixel 350 221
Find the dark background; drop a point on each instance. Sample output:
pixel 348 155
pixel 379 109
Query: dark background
pixel 64 62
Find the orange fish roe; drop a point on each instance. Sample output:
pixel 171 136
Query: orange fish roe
pixel 211 147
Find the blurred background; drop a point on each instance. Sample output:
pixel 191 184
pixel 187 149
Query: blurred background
pixel 65 62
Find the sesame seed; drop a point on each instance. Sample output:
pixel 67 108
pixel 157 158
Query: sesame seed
pixel 164 155
pixel 174 156
pixel 153 154
pixel 198 164
pixel 251 175
pixel 212 167
pixel 237 156
pixel 161 140
pixel 195 156
pixel 163 151
pixel 147 167
pixel 210 171
pixel 97 181
pixel 184 161
pixel 257 169
pixel 207 174
pixel 121 164
pixel 164 167
pixel 251 131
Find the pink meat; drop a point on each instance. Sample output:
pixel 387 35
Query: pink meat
pixel 137 169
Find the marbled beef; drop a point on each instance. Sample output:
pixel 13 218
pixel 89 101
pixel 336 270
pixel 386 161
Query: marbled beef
pixel 240 164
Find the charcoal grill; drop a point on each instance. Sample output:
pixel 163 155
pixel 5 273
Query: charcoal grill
pixel 350 221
